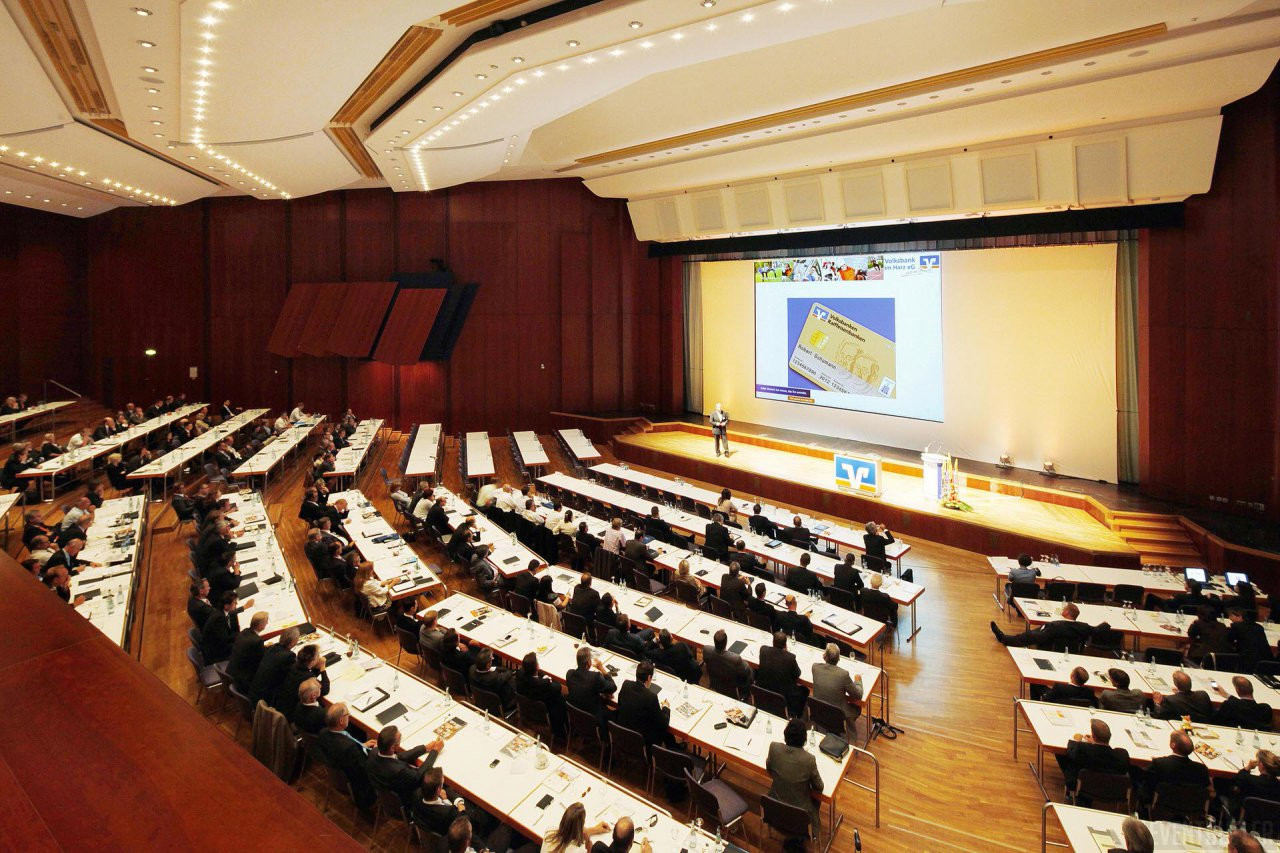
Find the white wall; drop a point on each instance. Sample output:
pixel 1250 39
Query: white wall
pixel 1028 355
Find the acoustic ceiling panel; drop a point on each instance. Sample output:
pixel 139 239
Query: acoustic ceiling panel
pixel 413 313
pixel 929 186
pixel 292 320
pixel 753 207
pixel 323 318
pixel 1101 172
pixel 364 307
pixel 708 212
pixel 863 194
pixel 804 201
pixel 1010 178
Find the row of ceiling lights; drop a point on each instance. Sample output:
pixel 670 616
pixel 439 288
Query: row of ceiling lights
pixel 68 172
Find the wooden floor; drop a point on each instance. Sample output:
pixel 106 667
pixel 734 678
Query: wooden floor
pixel 949 782
pixel 1001 512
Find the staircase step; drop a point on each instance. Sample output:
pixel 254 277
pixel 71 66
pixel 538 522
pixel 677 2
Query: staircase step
pixel 1155 536
pixel 1170 557
pixel 1145 524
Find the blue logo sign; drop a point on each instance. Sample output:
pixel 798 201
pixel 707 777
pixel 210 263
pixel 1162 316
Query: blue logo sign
pixel 858 474
pixel 930 262
pixel 820 312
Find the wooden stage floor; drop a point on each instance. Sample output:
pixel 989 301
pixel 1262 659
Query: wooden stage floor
pixel 1002 512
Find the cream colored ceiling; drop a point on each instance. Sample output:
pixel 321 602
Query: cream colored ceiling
pixel 276 71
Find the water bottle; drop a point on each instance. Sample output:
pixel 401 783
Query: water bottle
pixel 1239 735
pixel 685 692
pixel 486 721
pixel 448 698
pixel 395 683
pixel 111 603
pixel 768 725
pixel 1257 741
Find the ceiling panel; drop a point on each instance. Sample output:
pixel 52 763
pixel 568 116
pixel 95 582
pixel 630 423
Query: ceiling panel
pixel 28 100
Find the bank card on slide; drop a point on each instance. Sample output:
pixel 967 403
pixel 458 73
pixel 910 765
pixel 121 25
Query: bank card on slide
pixel 838 354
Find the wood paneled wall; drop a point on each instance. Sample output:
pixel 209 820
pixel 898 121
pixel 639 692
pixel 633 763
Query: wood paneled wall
pixel 1209 356
pixel 571 313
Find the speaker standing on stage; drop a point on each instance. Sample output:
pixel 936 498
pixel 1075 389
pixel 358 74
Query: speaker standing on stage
pixel 720 428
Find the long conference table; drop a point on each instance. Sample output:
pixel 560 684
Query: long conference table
pixel 904 593
pixel 479 456
pixel 424 451
pixel 695 711
pixel 491 762
pixel 578 445
pixel 1134 623
pixel 1092 830
pixel 276 449
pixel 31 413
pixel 163 466
pixel 115 542
pixel 350 459
pixel 849 538
pixel 7 503
pixel 380 543
pixel 531 452
pixel 82 455
pixel 506 554
pixel 264 572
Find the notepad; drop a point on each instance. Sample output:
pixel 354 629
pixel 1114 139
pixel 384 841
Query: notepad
pixel 1045 665
pixel 247 590
pixel 392 713
pixel 737 646
pixel 514 558
pixel 738 739
pixel 653 614
pixel 365 701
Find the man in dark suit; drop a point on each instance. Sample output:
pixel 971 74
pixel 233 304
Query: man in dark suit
pixel 677 658
pixel 246 653
pixel 1183 703
pixel 715 543
pixel 1074 693
pixel 875 540
pixel 584 600
pixel 393 769
pixel 438 517
pixel 310 509
pixel 631 643
pixel 635 549
pixel 590 686
pixel 848 576
pixel 219 633
pixel 801 578
pixel 1177 769
pixel 658 528
pixel 343 752
pixel 727 671
pixel 337 514
pixel 308 716
pixel 758 604
pixel 277 660
pixel 1092 752
pixel 640 710
pixel 1248 639
pixel 780 672
pixel 532 684
pixel 734 588
pixel 199 607
pixel 761 523
pixel 436 809
pixel 622 839
pixel 748 562
pixel 524 583
pixel 585 540
pixel 1242 709
pixel 486 676
pixel 309 664
pixel 797 534
pixel 215 549
pixel 155 410
pixel 1066 632
pixel 793 772
pixel 720 428
pixel 794 623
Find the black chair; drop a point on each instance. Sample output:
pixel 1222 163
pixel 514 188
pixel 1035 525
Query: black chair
pixel 720 607
pixel 724 686
pixel 1093 786
pixel 1022 589
pixel 581 557
pixel 1091 593
pixel 1267 667
pixel 644 583
pixel 629 744
pixel 769 701
pixel 584 725
pixel 408 643
pixel 519 604
pixel 488 700
pixel 532 714
pixel 605 564
pixel 1059 591
pixel 1262 816
pixel 687 593
pixel 827 717
pixel 759 621
pixel 1225 662
pixel 456 682
pixel 1105 644
pixel 717 804
pixel 676 768
pixel 339 782
pixel 572 624
pixel 1128 593
pixel 431 661
pixel 842 598
pixel 389 805
pixel 1164 657
pixel 1181 803
pixel 788 820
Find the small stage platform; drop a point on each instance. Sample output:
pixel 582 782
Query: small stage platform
pixel 1007 518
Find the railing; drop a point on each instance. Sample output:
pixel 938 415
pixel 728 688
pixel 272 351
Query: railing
pixel 71 391
pixel 1045 843
pixel 874 788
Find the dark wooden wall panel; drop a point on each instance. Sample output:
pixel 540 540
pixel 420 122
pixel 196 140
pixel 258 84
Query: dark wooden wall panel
pixel 409 323
pixel 315 239
pixel 575 323
pixel 370 234
pixel 424 394
pixel 606 319
pixel 420 230
pixel 324 317
pixel 371 389
pixel 364 307
pixel 291 322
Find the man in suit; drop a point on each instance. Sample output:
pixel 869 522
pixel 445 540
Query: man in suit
pixel 734 589
pixel 219 633
pixel 748 562
pixel 1177 769
pixel 1248 639
pixel 780 672
pixel 678 658
pixel 793 772
pixel 1074 693
pixel 635 548
pixel 198 605
pixel 875 540
pixel 720 428
pixel 584 600
pixel 392 768
pixel 1092 752
pixel 631 643
pixel 69 557
pixel 524 583
pixel 1066 632
pixel 308 716
pixel 532 684
pixel 1185 702
pixel 1120 697
pixel 758 604
pixel 215 549
pixel 310 509
pixel 761 523
pixel 277 660
pixel 656 527
pixel 794 623
pixel 590 686
pixel 436 809
pixel 832 684
pixel 342 751
pixel 622 839
pixel 848 576
pixel 640 710
pixel 585 539
pixel 1242 709
pixel 715 543
pixel 246 652
pixel 797 534
pixel 155 410
pixel 801 578
pixel 438 517
pixel 727 671
pixel 486 676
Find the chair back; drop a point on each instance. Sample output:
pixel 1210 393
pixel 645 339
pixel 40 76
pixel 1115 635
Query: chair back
pixel 1164 657
pixel 674 766
pixel 1059 591
pixel 720 607
pixel 686 593
pixel 1128 593
pixel 572 624
pixel 768 701
pixel 791 821
pixel 759 621
pixel 842 598
pixel 605 564
pixel 389 802
pixel 1262 816
pixel 531 712
pixel 625 741
pixel 1091 593
pixel 193 634
pixel 1108 787
pixel 1024 589
pixel 455 680
pixel 582 723
pixel 723 684
pixel 548 615
pixel 487 700
pixel 1225 662
pixel 338 779
pixel 827 717
pixel 408 641
pixel 1267 667
pixel 1183 803
pixel 195 657
pixel 431 657
pixel 518 604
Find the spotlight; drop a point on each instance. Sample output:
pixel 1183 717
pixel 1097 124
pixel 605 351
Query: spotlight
pixel 1006 461
pixel 1049 470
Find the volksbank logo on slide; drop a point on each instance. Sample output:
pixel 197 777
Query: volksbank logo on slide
pixel 930 262
pixel 820 312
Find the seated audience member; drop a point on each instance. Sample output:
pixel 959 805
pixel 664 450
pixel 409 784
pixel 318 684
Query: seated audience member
pixel 640 710
pixel 342 751
pixel 498 680
pixel 33 526
pixel 793 771
pixel 1193 597
pixel 848 576
pixel 1185 702
pixel 735 589
pixel 655 526
pixel 547 594
pixel 1091 752
pixel 715 539
pixel 748 562
pixel 614 538
pixel 1248 639
pixel 198 605
pixel 875 541
pixel 795 624
pixel 780 672
pixel 684 578
pixel 430 635
pixel 832 684
pixel 59 581
pixel 1208 635
pixel 277 661
pixel 876 603
pixel 40 550
pixel 96 494
pixel 10 406
pixel 1119 697
pixel 219 633
pixel 572 835
pixel 1066 632
pixel 308 716
pixel 80 440
pixel 308 664
pixel 531 684
pixel 246 653
pixel 1241 841
pixel 19 460
pixel 456 653
pixel 1259 777
pixel 50 448
pixel 675 657
pixel 761 523
pixel 299 413
pixel 590 685
pixel 376 592
pixel 625 639
pixel 759 604
pixel 797 534
pixel 583 600
pixel 392 768
pixel 1137 838
pixel 1179 768
pixel 1074 693
pixel 437 810
pixel 68 557
pixel 803 579
pixel 1242 709
pixel 622 839
pixel 635 548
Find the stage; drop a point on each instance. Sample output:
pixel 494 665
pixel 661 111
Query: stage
pixel 1007 517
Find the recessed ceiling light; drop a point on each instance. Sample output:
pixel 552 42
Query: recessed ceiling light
pixel 573 42
pixel 747 17
pixel 191 156
pixel 677 36
pixel 1045 73
pixel 145 43
pixel 635 25
pixel 1006 81
pixel 707 4
pixel 711 27
pixel 157 122
pixel 139 11
pixel 457 94
pixel 482 76
pixel 422 121
pixel 153 107
pixel 148 69
pixel 968 88
pixel 437 108
pixel 786 7
pixel 645 45
pixel 158 135
pixel 1091 62
pixel 517 59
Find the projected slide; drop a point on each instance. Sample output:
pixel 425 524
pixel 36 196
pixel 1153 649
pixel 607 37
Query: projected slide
pixel 859 332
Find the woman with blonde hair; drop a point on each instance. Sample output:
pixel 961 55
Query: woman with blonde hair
pixel 572 835
pixel 375 592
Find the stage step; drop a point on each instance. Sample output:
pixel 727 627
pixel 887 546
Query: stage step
pixel 1155 537
pixel 1159 539
pixel 1138 527
pixel 1173 557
